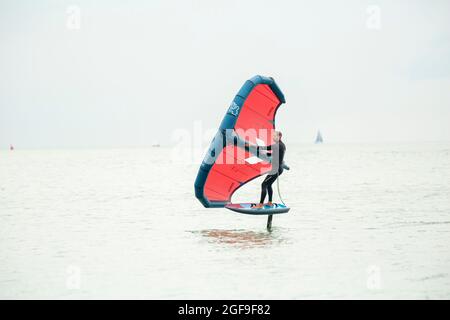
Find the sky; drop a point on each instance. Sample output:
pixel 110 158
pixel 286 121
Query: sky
pixel 134 73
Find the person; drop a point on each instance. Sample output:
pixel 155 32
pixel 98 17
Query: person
pixel 276 151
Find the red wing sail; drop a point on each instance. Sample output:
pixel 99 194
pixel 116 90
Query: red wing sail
pixel 250 118
pixel 235 168
pixel 257 116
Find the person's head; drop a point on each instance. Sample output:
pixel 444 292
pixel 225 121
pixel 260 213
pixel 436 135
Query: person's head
pixel 277 136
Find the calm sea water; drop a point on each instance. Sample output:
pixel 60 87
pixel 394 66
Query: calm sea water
pixel 367 221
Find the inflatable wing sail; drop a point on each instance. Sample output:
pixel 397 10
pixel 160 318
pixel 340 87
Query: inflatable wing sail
pixel 230 162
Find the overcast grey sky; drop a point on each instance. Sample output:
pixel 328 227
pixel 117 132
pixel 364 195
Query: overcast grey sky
pixel 135 71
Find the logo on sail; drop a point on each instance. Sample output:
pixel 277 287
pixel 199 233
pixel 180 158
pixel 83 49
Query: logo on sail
pixel 233 109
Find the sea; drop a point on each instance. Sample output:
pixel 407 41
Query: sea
pixel 367 221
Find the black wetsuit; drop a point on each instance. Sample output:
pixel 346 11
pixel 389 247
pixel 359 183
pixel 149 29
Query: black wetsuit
pixel 278 150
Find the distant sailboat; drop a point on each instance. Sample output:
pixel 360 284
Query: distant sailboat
pixel 319 138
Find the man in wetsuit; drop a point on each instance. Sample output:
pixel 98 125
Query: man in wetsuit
pixel 278 149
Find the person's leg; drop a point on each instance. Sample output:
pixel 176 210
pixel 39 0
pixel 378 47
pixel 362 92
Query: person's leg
pixel 270 181
pixel 263 195
pixel 263 191
pixel 270 192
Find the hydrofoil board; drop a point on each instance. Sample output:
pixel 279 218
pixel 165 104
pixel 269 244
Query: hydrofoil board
pixel 248 208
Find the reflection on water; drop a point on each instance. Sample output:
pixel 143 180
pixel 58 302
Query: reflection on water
pixel 241 238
